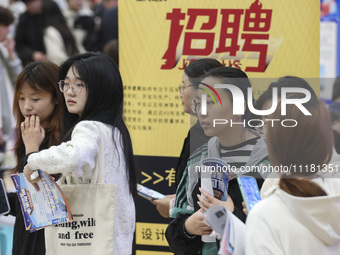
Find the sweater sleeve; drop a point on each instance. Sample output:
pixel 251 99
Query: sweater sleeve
pixel 179 241
pixel 73 158
pixel 260 238
pixel 14 68
pixel 55 46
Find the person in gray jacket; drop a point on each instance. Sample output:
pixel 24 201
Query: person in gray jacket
pixel 237 145
pixel 10 67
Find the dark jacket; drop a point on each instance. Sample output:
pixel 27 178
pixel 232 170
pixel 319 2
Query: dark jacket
pixel 186 199
pixel 24 242
pixel 108 28
pixel 29 36
pixel 195 139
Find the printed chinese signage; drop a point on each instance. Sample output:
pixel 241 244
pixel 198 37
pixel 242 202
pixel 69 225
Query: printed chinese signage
pixel 157 174
pixel 151 234
pixel 158 39
pixel 256 26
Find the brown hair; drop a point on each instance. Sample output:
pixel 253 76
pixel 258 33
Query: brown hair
pixel 6 16
pixel 40 76
pixel 309 144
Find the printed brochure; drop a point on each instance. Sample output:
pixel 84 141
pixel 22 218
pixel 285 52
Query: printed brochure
pixel 44 207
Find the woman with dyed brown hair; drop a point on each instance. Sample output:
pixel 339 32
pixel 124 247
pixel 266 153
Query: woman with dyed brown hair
pixel 37 99
pixel 41 79
pixel 300 215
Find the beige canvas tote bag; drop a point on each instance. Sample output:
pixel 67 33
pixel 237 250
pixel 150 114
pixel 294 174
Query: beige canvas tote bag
pixel 93 210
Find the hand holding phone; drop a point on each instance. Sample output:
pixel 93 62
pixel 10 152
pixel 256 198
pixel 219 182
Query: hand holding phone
pixel 147 193
pixel 250 191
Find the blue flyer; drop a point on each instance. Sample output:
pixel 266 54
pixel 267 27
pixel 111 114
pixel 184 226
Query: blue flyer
pixel 44 207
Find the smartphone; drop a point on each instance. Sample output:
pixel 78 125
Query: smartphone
pixel 4 205
pixel 250 191
pixel 147 193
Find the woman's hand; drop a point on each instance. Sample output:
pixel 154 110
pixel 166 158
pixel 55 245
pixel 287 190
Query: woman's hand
pixel 195 225
pixel 32 133
pixel 9 43
pixel 162 205
pixel 244 208
pixel 28 172
pixel 209 201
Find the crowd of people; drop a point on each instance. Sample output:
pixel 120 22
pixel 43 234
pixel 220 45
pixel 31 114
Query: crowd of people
pixel 55 30
pixel 68 120
pixel 46 30
pixel 297 194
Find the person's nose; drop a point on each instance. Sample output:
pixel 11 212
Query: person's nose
pixel 28 106
pixel 199 112
pixel 70 91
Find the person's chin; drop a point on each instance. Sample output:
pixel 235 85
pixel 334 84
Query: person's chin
pixel 186 109
pixel 209 132
pixel 71 110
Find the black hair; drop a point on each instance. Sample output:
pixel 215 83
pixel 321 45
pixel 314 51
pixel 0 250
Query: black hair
pixel 198 68
pixel 111 49
pixel 336 89
pixel 6 16
pixel 52 16
pixel 294 82
pixel 237 77
pixel 27 1
pixel 104 100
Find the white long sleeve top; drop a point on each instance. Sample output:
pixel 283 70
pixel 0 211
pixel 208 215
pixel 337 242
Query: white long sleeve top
pixel 283 224
pixel 76 160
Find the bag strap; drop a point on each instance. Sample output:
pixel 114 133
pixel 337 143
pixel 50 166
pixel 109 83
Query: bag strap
pixel 98 171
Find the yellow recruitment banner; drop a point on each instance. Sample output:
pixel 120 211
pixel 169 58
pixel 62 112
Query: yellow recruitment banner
pixel 267 39
pixel 151 234
pixel 158 38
